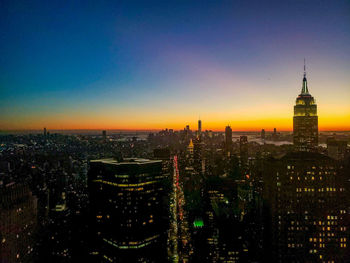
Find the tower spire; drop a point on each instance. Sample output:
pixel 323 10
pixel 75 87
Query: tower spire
pixel 304 89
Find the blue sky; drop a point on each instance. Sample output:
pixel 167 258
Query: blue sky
pixel 153 62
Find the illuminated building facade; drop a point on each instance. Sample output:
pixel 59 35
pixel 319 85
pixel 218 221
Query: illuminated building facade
pixel 126 201
pixel 307 218
pixel 18 221
pixel 305 120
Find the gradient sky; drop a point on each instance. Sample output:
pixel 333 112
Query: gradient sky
pixel 154 65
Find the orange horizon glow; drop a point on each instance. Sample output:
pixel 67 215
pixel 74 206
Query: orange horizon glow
pixel 238 125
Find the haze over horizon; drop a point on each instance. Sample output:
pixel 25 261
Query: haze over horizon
pixel 147 66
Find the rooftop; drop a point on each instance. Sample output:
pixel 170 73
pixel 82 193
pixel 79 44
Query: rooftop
pixel 125 161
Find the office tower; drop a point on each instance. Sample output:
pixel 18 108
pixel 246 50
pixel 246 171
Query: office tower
pixel 163 154
pixel 336 149
pixel 190 147
pixel 126 202
pixel 305 120
pixel 198 161
pixel 199 127
pixel 228 139
pixel 274 134
pixel 306 216
pixel 45 132
pixel 243 150
pixel 104 135
pixel 222 222
pixel 18 221
pixel 188 128
pixel 262 134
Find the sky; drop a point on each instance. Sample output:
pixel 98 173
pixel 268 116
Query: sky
pixel 164 64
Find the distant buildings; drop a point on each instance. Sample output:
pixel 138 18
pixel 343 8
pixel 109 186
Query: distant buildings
pixel 262 135
pixel 274 135
pixel 199 127
pixel 228 139
pixel 126 201
pixel 336 149
pixel 104 135
pixel 305 120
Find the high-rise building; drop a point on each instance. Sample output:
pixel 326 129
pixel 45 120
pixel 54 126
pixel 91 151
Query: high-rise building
pixel 336 148
pixel 198 160
pixel 104 135
pixel 126 202
pixel 274 134
pixel 18 221
pixel 228 139
pixel 243 150
pixel 199 127
pixel 305 120
pixel 262 134
pixel 306 215
pixel 45 132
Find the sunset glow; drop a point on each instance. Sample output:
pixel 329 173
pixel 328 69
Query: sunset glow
pixel 160 69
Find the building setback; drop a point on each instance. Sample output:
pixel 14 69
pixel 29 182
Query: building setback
pixel 305 120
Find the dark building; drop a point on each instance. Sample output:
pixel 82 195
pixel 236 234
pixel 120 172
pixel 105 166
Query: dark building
pixel 274 134
pixel 198 160
pixel 199 127
pixel 336 149
pixel 126 202
pixel 243 150
pixel 18 222
pixel 164 155
pixel 262 134
pixel 104 135
pixel 228 139
pixel 224 231
pixel 305 120
pixel 306 216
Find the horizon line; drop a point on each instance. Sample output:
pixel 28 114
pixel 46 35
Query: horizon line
pixel 156 130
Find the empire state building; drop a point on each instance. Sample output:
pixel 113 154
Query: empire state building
pixel 305 120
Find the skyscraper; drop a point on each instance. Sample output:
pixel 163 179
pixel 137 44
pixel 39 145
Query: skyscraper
pixel 104 135
pixel 305 120
pixel 199 127
pixel 126 201
pixel 243 150
pixel 228 139
pixel 262 134
pixel 308 221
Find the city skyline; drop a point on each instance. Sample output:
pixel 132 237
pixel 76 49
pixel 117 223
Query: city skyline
pixel 134 67
pixel 175 131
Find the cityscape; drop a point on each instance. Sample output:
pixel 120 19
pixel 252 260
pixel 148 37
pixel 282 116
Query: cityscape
pixel 102 157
